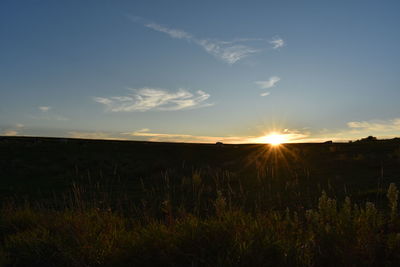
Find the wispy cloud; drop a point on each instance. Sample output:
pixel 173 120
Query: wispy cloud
pixel 271 82
pixel 174 33
pixel 354 130
pixel 359 129
pixel 49 117
pixel 186 138
pixel 155 99
pixel 265 94
pixel 289 135
pixel 145 134
pixel 277 42
pixel 13 131
pixel 376 126
pixel 93 135
pixel 44 108
pixel 9 133
pixel 227 51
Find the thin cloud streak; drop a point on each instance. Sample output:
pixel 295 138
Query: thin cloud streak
pixel 49 117
pixel 9 133
pixel 376 126
pixel 92 135
pixel 382 129
pixel 174 33
pixel 44 108
pixel 277 42
pixel 227 51
pixel 289 136
pixel 265 94
pixel 186 138
pixel 13 131
pixel 145 99
pixel 271 82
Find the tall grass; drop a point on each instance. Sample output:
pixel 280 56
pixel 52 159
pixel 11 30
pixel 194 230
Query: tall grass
pixel 201 220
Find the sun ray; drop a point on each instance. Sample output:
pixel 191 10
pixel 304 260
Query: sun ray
pixel 274 139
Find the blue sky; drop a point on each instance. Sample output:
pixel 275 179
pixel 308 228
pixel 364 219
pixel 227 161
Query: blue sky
pixel 200 71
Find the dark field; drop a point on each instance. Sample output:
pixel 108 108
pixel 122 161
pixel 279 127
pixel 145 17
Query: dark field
pixel 42 167
pixel 69 202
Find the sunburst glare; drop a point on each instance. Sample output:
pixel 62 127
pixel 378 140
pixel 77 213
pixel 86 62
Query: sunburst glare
pixel 274 139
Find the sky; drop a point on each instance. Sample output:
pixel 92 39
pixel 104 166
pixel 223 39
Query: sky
pixel 200 71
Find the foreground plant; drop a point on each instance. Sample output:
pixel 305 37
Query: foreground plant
pixel 332 234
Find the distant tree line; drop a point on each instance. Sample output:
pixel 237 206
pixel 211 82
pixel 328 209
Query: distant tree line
pixel 374 139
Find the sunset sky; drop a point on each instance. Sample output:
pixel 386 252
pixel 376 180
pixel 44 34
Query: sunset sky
pixel 200 71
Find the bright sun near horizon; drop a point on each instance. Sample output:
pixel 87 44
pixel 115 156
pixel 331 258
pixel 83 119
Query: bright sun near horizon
pixel 275 139
pixel 226 72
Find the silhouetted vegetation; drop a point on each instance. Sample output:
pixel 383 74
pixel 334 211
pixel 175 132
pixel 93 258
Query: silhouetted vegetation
pixel 368 139
pixel 109 203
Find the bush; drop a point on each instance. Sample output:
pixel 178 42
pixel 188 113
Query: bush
pixel 331 234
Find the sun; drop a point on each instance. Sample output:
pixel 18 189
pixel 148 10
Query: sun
pixel 274 139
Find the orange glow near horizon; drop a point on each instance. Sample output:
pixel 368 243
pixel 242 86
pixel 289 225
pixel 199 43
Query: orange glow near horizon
pixel 274 139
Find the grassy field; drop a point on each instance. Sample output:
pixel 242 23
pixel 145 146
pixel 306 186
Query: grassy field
pixel 69 202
